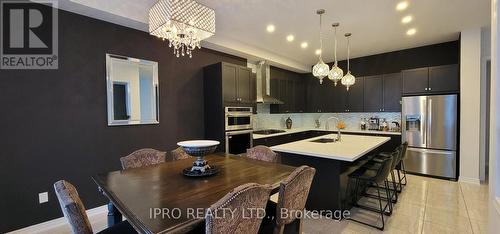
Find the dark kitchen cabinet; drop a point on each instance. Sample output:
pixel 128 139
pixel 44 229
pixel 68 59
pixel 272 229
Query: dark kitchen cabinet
pixel 374 94
pixel 444 78
pixel 244 85
pixel 300 91
pixel 432 80
pixel 289 88
pixel 392 92
pixel 318 95
pixel 355 96
pixel 337 98
pixel 342 100
pixel 229 81
pixel 237 83
pixel 415 81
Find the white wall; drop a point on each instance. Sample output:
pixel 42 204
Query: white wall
pixel 470 98
pixel 485 57
pixel 495 116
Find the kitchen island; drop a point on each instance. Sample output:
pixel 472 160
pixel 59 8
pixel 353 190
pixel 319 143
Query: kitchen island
pixel 333 162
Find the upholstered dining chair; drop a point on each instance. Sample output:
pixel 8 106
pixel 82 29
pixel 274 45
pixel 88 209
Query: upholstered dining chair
pixel 179 154
pixel 74 211
pixel 237 212
pixel 292 198
pixel 262 153
pixel 143 158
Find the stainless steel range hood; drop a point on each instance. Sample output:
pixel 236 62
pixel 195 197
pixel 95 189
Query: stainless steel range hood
pixel 263 84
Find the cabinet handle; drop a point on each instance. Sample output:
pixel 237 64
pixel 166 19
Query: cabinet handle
pixel 430 89
pixel 425 89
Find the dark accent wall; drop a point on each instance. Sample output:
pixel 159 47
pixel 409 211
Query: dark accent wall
pixel 54 122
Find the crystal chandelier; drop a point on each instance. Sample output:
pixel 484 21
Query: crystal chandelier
pixel 348 80
pixel 321 69
pixel 184 23
pixel 335 73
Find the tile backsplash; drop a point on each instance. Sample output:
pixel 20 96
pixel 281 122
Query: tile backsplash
pixel 265 120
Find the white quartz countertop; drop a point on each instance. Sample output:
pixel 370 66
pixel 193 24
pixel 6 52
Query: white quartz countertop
pixel 295 130
pixel 349 149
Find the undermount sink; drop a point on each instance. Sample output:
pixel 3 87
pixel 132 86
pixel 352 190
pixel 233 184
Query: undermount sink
pixel 325 140
pixel 268 131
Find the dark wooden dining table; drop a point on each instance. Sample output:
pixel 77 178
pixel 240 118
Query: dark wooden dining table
pixel 138 193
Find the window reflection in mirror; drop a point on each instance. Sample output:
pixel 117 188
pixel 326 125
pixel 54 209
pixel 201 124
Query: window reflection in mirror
pixel 132 86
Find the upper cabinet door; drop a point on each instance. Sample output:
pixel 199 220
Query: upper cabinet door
pixel 392 92
pixel 416 81
pixel 444 79
pixel 314 95
pixel 355 96
pixel 244 85
pixel 300 95
pixel 229 81
pixel 373 94
pixel 338 98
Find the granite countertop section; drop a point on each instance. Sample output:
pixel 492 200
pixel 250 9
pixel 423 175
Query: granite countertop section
pixel 349 149
pixel 296 130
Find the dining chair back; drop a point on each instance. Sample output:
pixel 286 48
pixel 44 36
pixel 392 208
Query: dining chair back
pixel 179 154
pixel 240 211
pixel 72 207
pixel 143 158
pixel 262 153
pixel 293 194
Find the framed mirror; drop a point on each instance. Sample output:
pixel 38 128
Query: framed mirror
pixel 132 90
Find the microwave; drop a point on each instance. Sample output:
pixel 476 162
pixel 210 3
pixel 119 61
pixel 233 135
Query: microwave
pixel 238 118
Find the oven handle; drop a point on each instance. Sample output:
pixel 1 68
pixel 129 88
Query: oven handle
pixel 238 115
pixel 232 133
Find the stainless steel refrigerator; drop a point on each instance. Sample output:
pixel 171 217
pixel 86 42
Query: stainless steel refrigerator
pixel 430 127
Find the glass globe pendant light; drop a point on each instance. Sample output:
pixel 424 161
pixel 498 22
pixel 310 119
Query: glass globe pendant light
pixel 348 80
pixel 335 73
pixel 321 69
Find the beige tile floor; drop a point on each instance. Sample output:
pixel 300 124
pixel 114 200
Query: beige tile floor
pixel 426 205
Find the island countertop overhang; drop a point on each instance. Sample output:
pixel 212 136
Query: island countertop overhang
pixel 350 148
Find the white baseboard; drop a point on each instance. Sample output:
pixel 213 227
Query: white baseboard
pixel 469 180
pixel 59 223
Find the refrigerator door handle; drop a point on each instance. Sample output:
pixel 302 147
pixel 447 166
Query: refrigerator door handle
pixel 423 127
pixel 429 121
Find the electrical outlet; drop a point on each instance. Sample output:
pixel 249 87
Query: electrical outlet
pixel 43 197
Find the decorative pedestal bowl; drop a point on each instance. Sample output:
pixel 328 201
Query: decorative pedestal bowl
pixel 198 149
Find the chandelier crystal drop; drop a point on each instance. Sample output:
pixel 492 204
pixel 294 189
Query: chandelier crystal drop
pixel 335 73
pixel 184 23
pixel 321 69
pixel 348 80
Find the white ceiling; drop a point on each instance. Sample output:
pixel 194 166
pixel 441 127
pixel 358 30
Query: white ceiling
pixel 376 25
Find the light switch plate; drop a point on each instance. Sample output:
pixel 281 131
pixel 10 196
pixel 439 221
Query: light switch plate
pixel 43 197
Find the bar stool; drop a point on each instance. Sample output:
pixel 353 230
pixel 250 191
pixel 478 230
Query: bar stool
pixel 375 163
pixel 365 175
pixel 402 166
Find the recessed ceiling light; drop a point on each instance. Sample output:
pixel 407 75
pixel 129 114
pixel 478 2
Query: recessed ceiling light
pixel 270 28
pixel 407 19
pixel 402 6
pixel 411 32
pixel 318 52
pixel 304 45
pixel 290 38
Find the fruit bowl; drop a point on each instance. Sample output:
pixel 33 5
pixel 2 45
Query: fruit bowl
pixel 198 149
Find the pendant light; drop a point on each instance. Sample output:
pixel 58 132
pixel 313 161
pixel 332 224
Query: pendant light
pixel 335 73
pixel 321 69
pixel 348 80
